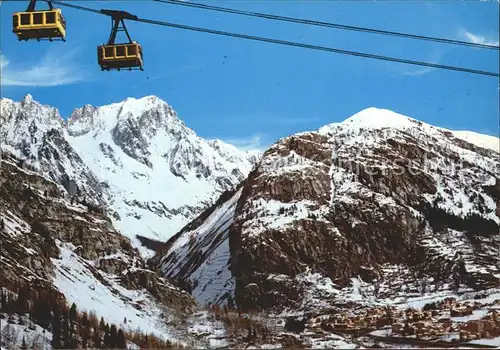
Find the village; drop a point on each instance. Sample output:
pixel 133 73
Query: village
pixel 445 321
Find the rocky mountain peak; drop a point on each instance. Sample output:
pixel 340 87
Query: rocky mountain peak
pixel 150 112
pixel 81 120
pixel 29 111
pixel 379 117
pixel 28 99
pixel 228 151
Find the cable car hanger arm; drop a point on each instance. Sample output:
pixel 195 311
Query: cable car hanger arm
pixel 32 5
pixel 117 17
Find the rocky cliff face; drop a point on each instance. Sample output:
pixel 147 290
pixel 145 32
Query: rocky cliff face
pixel 378 208
pixel 136 158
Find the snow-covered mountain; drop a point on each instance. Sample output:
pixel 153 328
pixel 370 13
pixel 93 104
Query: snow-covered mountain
pixel 367 210
pixel 135 157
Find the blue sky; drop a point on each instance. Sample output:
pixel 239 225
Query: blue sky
pixel 252 93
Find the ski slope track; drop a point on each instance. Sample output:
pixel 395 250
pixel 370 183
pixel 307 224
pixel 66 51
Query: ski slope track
pixel 378 209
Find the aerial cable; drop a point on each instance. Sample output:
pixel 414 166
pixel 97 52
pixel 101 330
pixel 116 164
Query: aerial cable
pixel 88 9
pixel 319 48
pixel 295 44
pixel 325 24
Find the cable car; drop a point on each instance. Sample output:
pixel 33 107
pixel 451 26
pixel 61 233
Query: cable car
pixel 39 24
pixel 113 56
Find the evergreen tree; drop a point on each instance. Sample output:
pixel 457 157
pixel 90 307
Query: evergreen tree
pixel 106 341
pixel 22 300
pixel 85 330
pixel 96 338
pixel 3 300
pixel 72 313
pixel 41 311
pixel 66 334
pixel 56 329
pixel 121 341
pixel 93 321
pixel 113 336
pixel 85 320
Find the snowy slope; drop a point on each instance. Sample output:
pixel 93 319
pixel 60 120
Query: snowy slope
pixel 485 141
pixel 135 157
pixel 208 274
pixel 76 281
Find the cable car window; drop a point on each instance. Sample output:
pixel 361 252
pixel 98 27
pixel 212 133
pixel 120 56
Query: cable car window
pixel 25 19
pixel 108 52
pixel 50 17
pixel 38 18
pixel 120 51
pixel 16 20
pixel 132 50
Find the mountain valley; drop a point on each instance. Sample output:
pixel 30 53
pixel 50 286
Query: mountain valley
pixel 378 230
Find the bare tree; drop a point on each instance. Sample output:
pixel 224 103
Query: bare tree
pixel 423 286
pixel 9 337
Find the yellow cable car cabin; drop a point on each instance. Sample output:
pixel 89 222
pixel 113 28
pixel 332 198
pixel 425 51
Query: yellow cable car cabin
pixel 120 56
pixel 45 24
pixel 123 56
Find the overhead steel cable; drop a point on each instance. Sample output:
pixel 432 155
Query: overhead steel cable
pixel 291 43
pixel 88 9
pixel 325 24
